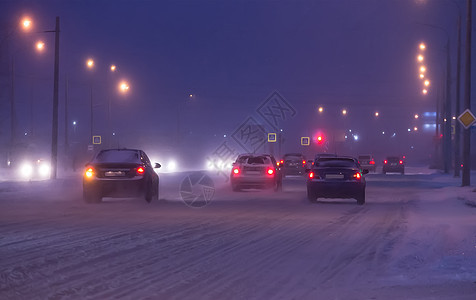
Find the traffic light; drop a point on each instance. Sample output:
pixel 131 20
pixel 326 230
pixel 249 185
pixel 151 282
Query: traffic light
pixel 320 139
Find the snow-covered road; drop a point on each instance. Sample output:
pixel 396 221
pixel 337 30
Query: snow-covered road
pixel 414 239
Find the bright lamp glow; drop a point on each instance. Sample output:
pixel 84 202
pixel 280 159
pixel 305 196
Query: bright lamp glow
pixel 172 166
pixel 44 170
pixel 40 46
pixel 26 170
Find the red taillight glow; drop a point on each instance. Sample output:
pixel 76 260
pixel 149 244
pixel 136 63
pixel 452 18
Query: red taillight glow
pixel 401 162
pixel 140 170
pixel 89 172
pixel 357 176
pixel 311 175
pixel 236 171
pixel 372 162
pixel 270 171
pixel 303 162
pixel 281 162
pixel 385 161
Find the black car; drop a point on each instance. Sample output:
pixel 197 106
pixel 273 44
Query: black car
pixel 393 164
pixel 256 171
pixel 336 177
pixel 120 173
pixel 293 164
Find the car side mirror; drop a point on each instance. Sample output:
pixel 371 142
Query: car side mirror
pixel 157 165
pixel 365 171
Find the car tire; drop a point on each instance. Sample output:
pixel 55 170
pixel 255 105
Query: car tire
pixel 235 187
pixel 149 192
pixel 361 198
pixel 91 197
pixel 311 196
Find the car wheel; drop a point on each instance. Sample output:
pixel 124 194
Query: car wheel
pixel 235 187
pixel 361 198
pixel 311 196
pixel 149 191
pixel 91 197
pixel 278 186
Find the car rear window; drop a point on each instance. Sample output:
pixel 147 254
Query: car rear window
pixel 393 159
pixel 364 157
pixel 332 162
pixel 117 156
pixel 258 160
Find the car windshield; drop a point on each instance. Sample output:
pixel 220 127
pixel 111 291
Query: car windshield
pixel 117 156
pixel 335 162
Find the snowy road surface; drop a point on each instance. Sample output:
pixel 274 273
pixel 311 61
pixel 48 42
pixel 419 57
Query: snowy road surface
pixel 414 239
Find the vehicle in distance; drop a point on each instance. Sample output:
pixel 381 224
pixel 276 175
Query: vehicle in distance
pixel 367 162
pixel 393 164
pixel 33 169
pixel 256 171
pixel 120 173
pixel 293 164
pixel 336 177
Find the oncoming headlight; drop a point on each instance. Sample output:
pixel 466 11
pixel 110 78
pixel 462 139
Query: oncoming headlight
pixel 26 170
pixel 44 170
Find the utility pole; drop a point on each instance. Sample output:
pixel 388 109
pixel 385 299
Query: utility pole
pixel 12 111
pixel 467 98
pixel 448 119
pixel 66 140
pixel 54 134
pixel 457 105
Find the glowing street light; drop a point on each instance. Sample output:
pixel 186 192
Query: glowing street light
pixel 123 87
pixel 415 128
pixel 422 46
pixel 422 76
pixel 420 58
pixel 344 112
pixel 427 82
pixel 422 69
pixel 113 68
pixel 425 91
pixel 376 114
pixel 40 46
pixel 90 63
pixel 416 116
pixel 26 24
pixel 320 109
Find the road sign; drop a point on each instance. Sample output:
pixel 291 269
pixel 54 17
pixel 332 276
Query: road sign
pixel 97 140
pixel 305 141
pixel 467 118
pixel 272 137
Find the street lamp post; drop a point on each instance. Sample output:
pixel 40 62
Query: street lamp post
pixel 467 97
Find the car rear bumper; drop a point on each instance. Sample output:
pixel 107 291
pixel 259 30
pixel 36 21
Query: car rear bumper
pixel 399 169
pixel 253 182
pixel 336 189
pixel 131 187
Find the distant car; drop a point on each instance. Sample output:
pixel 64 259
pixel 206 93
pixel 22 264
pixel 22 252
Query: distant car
pixel 32 169
pixel 393 164
pixel 336 177
pixel 256 171
pixel 367 162
pixel 293 164
pixel 120 173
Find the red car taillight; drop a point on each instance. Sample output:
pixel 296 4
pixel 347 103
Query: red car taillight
pixel 311 175
pixel 357 176
pixel 385 161
pixel 270 171
pixel 401 162
pixel 372 162
pixel 140 171
pixel 236 171
pixel 303 162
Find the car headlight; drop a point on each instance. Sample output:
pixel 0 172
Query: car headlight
pixel 26 170
pixel 44 170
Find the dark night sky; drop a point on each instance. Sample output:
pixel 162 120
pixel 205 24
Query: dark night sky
pixel 231 55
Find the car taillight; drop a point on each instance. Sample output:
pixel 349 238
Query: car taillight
pixel 89 172
pixel 236 171
pixel 357 176
pixel 372 162
pixel 311 175
pixel 401 162
pixel 385 161
pixel 140 170
pixel 281 162
pixel 303 162
pixel 270 171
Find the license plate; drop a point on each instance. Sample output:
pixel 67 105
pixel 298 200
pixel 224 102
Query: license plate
pixel 253 172
pixel 334 176
pixel 114 173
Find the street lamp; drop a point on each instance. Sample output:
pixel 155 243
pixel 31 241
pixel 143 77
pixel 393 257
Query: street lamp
pixel 124 87
pixel 90 66
pixel 320 109
pixel 344 112
pixel 40 46
pixel 422 46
